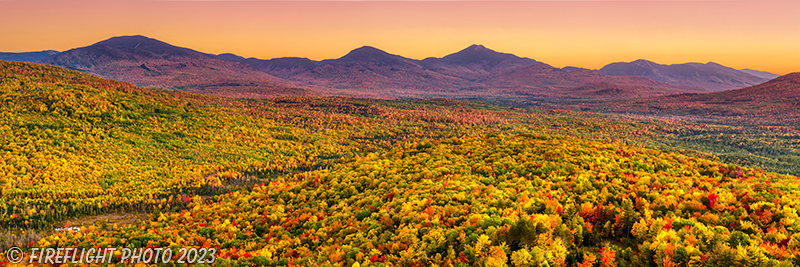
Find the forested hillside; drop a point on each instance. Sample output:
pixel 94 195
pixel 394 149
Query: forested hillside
pixel 342 181
pixel 526 200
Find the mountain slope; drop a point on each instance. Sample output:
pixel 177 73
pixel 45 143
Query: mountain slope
pixel 711 76
pixel 547 82
pixel 373 69
pixel 285 67
pixel 761 74
pixel 782 90
pixel 775 100
pixel 365 71
pixel 27 56
pixel 152 63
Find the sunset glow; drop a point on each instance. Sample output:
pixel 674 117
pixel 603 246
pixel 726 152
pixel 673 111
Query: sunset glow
pixel 762 35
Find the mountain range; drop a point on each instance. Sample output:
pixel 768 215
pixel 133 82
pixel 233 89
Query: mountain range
pixel 27 56
pixel 711 76
pixel 474 72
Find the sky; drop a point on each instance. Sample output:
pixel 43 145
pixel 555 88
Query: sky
pixel 756 34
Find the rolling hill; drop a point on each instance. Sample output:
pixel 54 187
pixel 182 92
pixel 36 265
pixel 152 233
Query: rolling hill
pixel 152 63
pixel 352 182
pixel 117 144
pixel 777 99
pixel 711 76
pixel 760 123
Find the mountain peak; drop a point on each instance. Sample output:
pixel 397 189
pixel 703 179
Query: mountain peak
pixel 478 47
pixel 231 57
pixel 132 41
pixel 367 48
pixel 644 61
pixel 366 52
pixel 479 54
pixel 143 43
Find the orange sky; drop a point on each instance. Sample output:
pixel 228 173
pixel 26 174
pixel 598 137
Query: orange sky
pixel 763 35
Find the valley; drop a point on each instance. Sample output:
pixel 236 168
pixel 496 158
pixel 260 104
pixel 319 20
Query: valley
pixel 402 133
pixel 400 182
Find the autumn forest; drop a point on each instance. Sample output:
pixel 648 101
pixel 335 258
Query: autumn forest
pixel 688 180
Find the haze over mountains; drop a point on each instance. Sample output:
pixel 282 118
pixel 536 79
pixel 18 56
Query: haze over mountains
pixel 475 72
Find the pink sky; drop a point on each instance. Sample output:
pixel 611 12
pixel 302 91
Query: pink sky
pixel 763 35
